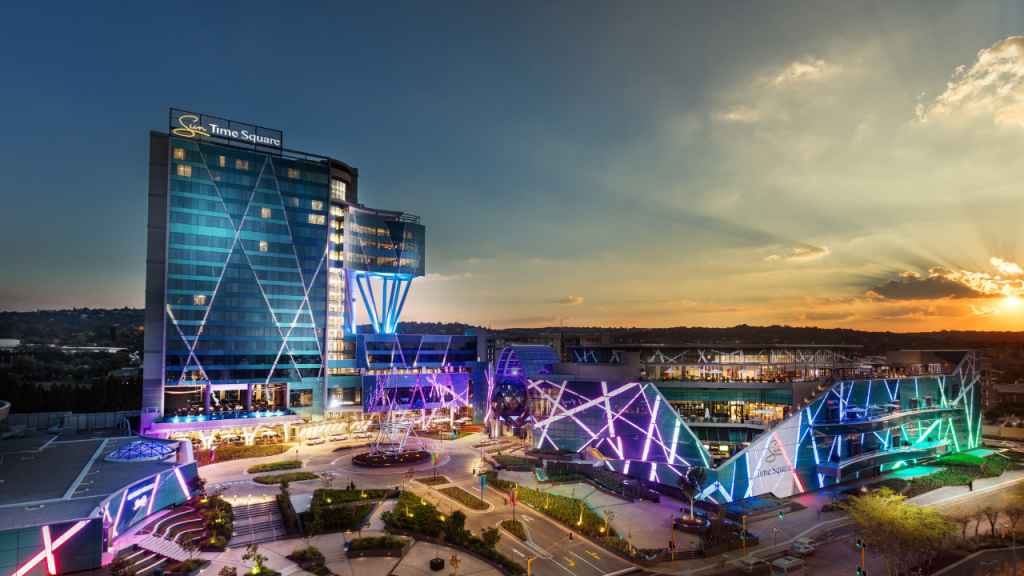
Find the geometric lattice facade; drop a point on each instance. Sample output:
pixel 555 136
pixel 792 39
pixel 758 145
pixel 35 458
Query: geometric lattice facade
pixel 850 429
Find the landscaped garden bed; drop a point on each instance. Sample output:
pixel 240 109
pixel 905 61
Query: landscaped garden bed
pixel 228 453
pixel 340 448
pixel 434 480
pixel 379 547
pixel 691 525
pixel 341 518
pixel 416 516
pixel 386 460
pixel 463 497
pixel 563 475
pixel 756 504
pixel 514 527
pixel 273 466
pixel 514 462
pixel 187 567
pixel 996 464
pixel 289 476
pixel 323 497
pixel 307 557
pixel 961 459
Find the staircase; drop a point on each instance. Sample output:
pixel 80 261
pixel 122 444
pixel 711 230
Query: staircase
pixel 257 523
pixel 145 561
pixel 165 548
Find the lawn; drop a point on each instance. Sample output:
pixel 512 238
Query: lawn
pixel 463 497
pixel 960 460
pixel 272 466
pixel 289 476
pixel 432 481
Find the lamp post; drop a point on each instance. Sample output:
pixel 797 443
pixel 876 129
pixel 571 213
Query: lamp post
pixel 1013 530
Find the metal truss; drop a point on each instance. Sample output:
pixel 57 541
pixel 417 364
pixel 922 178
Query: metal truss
pixel 392 438
pixel 283 325
pixel 395 287
pixel 425 391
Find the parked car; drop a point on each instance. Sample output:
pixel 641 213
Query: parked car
pixel 337 437
pixel 314 441
pixel 801 548
pixel 365 435
pixel 790 566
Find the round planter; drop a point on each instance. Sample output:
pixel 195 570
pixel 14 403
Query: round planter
pixel 406 458
pixel 702 526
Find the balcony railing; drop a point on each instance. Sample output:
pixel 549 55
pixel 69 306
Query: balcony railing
pixel 887 451
pixel 226 416
pixel 884 416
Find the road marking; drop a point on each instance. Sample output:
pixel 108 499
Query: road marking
pixel 526 518
pixel 582 559
pixel 518 552
pixel 571 563
pixel 592 554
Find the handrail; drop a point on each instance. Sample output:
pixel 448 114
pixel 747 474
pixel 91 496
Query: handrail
pixel 884 416
pixel 878 451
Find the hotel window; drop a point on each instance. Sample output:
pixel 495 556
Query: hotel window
pixel 293 173
pixel 241 164
pixel 223 161
pixel 263 246
pixel 337 190
pixel 199 300
pixel 184 170
pixel 317 218
pixel 179 153
pixel 337 211
pixel 317 205
pixel 265 212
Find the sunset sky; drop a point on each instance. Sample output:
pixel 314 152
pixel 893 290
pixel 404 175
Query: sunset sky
pixel 835 164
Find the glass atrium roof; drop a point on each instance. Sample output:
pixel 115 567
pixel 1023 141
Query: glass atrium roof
pixel 140 451
pixel 518 362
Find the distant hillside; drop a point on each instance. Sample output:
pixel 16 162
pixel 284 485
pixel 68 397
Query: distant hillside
pixel 78 327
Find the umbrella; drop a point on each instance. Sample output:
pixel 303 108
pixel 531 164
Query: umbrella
pixel 892 405
pixel 670 371
pixel 228 436
pixel 270 433
pixel 715 371
pixel 855 410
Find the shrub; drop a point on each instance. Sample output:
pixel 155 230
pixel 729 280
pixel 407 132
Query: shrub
pixel 996 464
pixel 378 543
pixel 515 527
pixel 618 544
pixel 961 460
pixel 492 478
pixel 291 524
pixel 566 510
pixel 214 542
pixel 563 475
pixel 431 481
pixel 514 461
pixel 228 453
pixel 417 515
pixel 330 497
pixel 721 532
pixel 344 518
pixel 272 466
pixel 289 476
pixel 550 451
pixel 463 497
pixel 186 566
pixel 306 553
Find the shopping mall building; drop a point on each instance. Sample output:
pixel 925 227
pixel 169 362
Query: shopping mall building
pixel 779 419
pixel 261 263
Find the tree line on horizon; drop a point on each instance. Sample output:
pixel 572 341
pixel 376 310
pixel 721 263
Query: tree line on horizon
pixel 107 394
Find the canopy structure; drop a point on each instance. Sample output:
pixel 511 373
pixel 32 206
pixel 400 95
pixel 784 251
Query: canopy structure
pixel 140 451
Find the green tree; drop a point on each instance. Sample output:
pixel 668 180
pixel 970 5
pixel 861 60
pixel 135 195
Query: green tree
pixel 252 554
pixel 901 534
pixel 122 566
pixel 228 571
pixel 692 483
pixel 189 545
pixel 491 536
pixel 313 526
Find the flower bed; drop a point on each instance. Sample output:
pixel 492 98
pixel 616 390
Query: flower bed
pixel 228 453
pixel 272 466
pixel 289 476
pixel 385 460
pixel 514 527
pixel 432 481
pixel 463 497
pixel 514 461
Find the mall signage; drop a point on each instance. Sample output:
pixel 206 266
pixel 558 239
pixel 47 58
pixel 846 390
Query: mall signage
pixel 191 125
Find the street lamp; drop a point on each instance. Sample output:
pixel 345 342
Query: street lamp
pixel 1013 530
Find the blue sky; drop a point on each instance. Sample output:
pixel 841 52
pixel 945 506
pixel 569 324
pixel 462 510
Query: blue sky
pixel 598 163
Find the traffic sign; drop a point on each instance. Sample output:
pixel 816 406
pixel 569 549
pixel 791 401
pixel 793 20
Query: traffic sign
pixel 775 529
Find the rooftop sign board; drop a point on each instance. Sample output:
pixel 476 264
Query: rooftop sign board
pixel 191 125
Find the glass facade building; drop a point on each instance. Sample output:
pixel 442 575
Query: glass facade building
pixel 257 257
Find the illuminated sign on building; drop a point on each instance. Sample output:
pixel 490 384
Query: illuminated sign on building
pixel 190 125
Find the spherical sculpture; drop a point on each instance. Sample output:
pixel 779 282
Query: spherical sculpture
pixel 510 403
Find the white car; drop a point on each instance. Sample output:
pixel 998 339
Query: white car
pixel 789 566
pixel 337 437
pixel 314 441
pixel 361 435
pixel 801 549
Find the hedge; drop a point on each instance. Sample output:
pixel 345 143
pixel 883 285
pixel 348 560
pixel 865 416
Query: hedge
pixel 463 497
pixel 228 453
pixel 342 517
pixel 291 524
pixel 961 460
pixel 289 476
pixel 378 543
pixel 514 461
pixel 272 466
pixel 342 496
